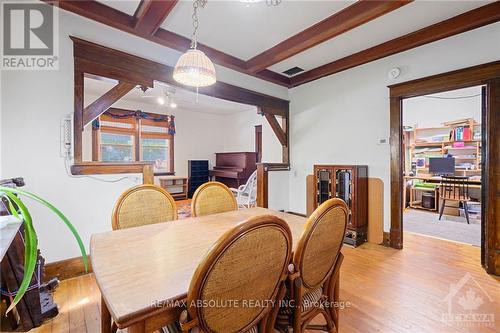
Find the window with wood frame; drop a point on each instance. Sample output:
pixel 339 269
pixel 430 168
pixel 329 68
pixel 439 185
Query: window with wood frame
pixel 126 136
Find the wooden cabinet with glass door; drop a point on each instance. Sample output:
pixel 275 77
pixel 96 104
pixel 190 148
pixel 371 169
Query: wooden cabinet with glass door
pixel 349 183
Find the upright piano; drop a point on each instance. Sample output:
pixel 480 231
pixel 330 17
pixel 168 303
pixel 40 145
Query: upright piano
pixel 233 169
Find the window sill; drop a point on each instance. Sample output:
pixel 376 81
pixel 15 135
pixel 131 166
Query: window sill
pixel 100 168
pixel 275 166
pixel 164 173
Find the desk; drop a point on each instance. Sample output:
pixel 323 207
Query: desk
pixel 473 184
pixel 138 267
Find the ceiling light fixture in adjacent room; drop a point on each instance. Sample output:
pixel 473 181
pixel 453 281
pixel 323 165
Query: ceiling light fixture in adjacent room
pixel 160 100
pixel 269 3
pixel 194 68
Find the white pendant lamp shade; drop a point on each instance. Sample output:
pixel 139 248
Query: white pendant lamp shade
pixel 195 69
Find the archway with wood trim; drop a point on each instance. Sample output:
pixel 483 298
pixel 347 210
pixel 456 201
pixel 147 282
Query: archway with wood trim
pixel 129 71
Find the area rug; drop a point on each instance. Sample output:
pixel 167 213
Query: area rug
pixel 183 209
pixel 452 228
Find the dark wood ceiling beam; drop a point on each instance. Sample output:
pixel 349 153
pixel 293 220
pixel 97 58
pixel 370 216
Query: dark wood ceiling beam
pixel 461 23
pixel 347 19
pixel 150 15
pixel 100 105
pixel 98 12
pixel 114 18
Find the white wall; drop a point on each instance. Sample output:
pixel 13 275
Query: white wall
pixel 239 135
pixel 433 110
pixel 339 118
pixel 33 103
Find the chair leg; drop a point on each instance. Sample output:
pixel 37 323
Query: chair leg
pixel 273 314
pixel 105 318
pixel 336 298
pixel 466 209
pixel 441 209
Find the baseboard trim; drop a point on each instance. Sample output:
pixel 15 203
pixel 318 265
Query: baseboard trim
pixel 66 269
pixel 387 239
pixel 295 213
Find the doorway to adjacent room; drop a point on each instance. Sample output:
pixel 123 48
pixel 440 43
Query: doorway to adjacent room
pixel 442 153
pixel 488 76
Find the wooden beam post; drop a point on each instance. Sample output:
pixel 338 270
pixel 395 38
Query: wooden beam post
pixel 286 149
pixel 78 117
pixel 148 174
pixel 492 181
pixel 262 185
pixel 396 231
pixel 104 102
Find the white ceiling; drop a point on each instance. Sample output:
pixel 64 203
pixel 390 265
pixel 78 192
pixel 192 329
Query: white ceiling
pixel 126 6
pixel 409 18
pixel 185 100
pixel 245 30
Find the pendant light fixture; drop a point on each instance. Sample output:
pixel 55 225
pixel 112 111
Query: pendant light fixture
pixel 194 68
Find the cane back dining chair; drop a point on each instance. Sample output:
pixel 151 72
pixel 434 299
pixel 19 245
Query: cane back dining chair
pixel 212 198
pixel 236 285
pixel 313 284
pixel 454 188
pixel 141 205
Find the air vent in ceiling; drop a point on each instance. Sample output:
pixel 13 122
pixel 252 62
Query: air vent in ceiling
pixel 292 71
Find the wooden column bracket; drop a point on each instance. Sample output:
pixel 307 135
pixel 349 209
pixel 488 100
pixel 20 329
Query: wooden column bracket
pixel 282 131
pixel 104 102
pixel 275 125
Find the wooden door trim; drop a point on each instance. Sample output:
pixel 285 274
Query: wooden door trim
pixel 486 74
pixel 258 142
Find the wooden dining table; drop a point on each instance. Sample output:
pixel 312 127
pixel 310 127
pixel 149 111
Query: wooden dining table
pixel 144 273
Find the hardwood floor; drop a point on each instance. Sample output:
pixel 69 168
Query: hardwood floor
pixel 387 290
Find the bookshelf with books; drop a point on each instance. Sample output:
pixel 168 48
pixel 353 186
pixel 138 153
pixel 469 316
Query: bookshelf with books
pixel 460 139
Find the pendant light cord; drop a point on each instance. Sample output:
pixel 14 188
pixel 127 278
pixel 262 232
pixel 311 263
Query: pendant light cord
pixel 196 4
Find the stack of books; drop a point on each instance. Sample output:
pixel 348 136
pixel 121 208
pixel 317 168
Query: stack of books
pixel 461 133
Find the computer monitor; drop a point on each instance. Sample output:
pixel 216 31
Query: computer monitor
pixel 443 166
